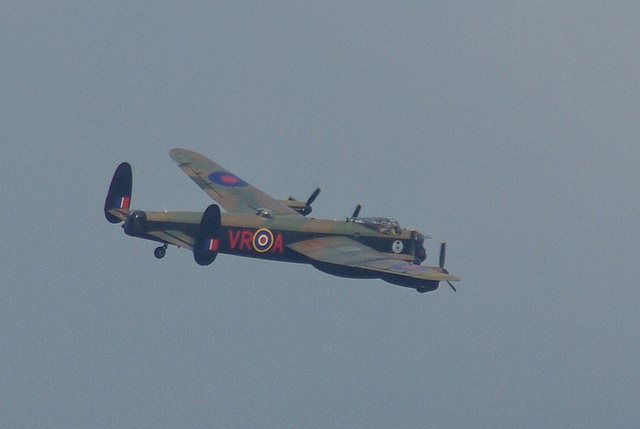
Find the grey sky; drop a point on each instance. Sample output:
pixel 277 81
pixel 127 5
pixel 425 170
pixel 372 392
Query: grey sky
pixel 508 130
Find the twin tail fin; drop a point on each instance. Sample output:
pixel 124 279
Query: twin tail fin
pixel 116 206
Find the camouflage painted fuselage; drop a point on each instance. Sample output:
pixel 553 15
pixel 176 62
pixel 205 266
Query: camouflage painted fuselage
pixel 269 238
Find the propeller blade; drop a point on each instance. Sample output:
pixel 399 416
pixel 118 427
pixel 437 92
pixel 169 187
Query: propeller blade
pixel 443 252
pixel 313 196
pixel 356 212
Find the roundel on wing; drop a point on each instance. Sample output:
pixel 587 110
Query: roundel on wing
pixel 225 178
pixel 262 240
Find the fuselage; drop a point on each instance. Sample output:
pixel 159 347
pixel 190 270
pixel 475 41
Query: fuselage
pixel 267 237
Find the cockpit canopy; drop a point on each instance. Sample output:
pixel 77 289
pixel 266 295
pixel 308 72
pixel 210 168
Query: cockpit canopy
pixel 381 225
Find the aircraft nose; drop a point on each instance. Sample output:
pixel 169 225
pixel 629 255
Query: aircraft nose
pixel 420 255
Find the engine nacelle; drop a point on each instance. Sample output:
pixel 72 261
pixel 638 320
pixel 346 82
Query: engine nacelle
pixel 206 242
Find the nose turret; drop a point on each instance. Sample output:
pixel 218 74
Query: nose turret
pixel 420 253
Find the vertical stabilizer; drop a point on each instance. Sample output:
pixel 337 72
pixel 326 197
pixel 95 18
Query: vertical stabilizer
pixel 206 242
pixel 116 206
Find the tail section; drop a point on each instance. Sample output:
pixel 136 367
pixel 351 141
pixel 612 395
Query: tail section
pixel 116 206
pixel 205 243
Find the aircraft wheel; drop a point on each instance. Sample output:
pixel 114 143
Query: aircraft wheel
pixel 160 252
pixel 422 290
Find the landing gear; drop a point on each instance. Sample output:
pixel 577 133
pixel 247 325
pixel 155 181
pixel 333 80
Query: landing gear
pixel 160 252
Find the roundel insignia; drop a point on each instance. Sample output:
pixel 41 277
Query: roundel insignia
pixel 225 178
pixel 397 246
pixel 262 240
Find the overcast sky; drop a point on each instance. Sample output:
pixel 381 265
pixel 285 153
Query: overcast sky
pixel 511 131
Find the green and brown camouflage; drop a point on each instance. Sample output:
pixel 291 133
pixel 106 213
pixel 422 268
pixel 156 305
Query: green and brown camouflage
pixel 259 226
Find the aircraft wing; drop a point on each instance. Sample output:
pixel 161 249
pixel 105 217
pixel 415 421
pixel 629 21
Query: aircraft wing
pixel 177 238
pixel 344 251
pixel 231 192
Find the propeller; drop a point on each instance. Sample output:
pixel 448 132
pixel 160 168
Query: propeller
pixel 356 212
pixel 313 197
pixel 443 254
pixel 307 209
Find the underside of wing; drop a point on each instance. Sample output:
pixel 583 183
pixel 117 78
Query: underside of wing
pixel 231 192
pixel 344 256
pixel 177 238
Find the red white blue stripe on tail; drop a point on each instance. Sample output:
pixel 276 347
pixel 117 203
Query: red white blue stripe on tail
pixel 123 202
pixel 211 245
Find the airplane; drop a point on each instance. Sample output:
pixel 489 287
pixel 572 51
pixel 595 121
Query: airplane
pixel 258 226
